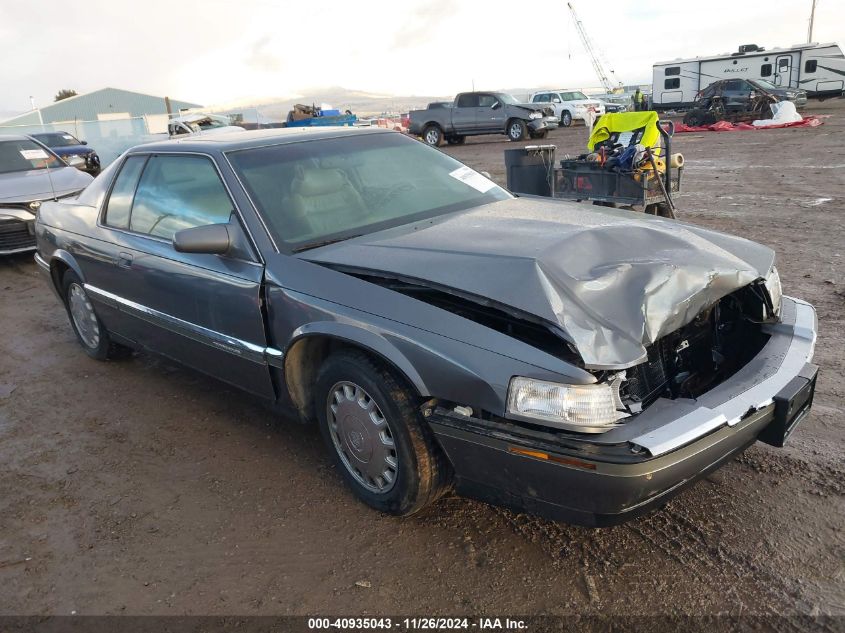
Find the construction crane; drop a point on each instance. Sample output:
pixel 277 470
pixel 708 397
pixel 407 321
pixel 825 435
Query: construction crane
pixel 588 45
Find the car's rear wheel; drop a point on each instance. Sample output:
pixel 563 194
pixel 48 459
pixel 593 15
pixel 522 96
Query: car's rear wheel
pixel 433 135
pixel 377 437
pixel 90 331
pixel 566 118
pixel 517 130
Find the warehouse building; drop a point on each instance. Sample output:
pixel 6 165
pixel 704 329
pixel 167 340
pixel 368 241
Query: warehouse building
pixel 109 120
pixel 107 104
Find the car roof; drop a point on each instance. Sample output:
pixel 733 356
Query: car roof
pixel 244 139
pixel 14 137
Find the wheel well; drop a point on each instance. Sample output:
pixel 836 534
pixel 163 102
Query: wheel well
pixel 303 360
pixel 57 272
pixel 432 123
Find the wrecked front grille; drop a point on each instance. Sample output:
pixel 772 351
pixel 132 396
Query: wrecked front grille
pixel 692 360
pixel 648 380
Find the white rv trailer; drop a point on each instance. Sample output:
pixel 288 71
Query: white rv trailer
pixel 817 68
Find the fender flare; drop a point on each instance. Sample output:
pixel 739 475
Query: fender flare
pixel 366 339
pixel 68 260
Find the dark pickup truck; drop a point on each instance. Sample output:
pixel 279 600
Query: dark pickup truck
pixel 482 113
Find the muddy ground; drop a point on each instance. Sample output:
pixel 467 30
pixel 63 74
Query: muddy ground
pixel 139 487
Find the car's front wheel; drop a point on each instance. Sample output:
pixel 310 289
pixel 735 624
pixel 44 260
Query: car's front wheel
pixel 90 331
pixel 517 130
pixel 565 118
pixel 377 436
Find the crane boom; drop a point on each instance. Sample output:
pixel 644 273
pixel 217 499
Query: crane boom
pixel 588 45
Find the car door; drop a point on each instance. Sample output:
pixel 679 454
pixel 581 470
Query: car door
pixel 492 115
pixel 201 310
pixel 464 113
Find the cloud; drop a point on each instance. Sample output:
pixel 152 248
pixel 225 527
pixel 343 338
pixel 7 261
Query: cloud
pixel 421 24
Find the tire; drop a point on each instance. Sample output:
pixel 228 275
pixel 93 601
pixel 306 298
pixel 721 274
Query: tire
pixel 694 118
pixel 90 331
pixel 456 140
pixel 379 440
pixel 538 135
pixel 517 130
pixel 433 135
pixel 565 118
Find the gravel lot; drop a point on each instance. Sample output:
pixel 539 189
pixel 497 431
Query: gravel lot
pixel 139 487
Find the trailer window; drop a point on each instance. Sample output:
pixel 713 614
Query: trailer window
pixel 810 66
pixel 669 84
pixel 766 70
pixel 672 71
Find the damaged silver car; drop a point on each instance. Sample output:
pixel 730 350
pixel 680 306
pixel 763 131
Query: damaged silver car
pixel 583 363
pixel 29 174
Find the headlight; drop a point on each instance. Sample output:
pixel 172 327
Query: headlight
pixel 585 408
pixel 535 115
pixel 74 160
pixel 774 289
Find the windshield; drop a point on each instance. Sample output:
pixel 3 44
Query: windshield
pixel 503 96
pixel 57 139
pixel 762 83
pixel 313 192
pixel 24 155
pixel 575 95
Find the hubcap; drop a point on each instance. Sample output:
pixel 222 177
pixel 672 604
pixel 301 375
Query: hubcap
pixel 432 136
pixel 515 131
pixel 362 437
pixel 83 316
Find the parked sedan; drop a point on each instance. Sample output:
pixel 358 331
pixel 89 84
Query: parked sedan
pixel 582 363
pixel 29 174
pixel 74 152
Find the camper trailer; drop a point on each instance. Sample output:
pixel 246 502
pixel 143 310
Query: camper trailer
pixel 817 68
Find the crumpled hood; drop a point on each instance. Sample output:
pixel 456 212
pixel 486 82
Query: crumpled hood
pixel 614 280
pixel 35 184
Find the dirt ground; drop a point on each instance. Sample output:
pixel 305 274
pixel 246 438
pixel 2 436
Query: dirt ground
pixel 139 487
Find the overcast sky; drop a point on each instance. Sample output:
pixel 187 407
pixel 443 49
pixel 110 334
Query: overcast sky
pixel 217 51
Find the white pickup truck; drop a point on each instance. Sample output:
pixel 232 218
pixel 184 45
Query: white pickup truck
pixel 568 104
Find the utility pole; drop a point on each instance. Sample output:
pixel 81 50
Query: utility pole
pixel 812 17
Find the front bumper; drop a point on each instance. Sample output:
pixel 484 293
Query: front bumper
pixel 540 125
pixel 669 446
pixel 17 231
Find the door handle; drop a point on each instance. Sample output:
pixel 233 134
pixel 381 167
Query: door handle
pixel 124 260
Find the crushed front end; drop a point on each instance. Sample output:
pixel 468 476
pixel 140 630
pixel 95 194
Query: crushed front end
pixel 739 372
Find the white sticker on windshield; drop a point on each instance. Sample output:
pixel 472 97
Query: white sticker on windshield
pixel 67 136
pixel 473 179
pixel 34 154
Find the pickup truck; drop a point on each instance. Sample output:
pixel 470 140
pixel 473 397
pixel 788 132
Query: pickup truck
pixel 481 113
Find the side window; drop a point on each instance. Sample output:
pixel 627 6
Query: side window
pixel 766 70
pixel 672 71
pixel 541 98
pixel 468 101
pixel 734 85
pixel 178 192
pixel 810 66
pixel 669 84
pixel 485 101
pixel 123 192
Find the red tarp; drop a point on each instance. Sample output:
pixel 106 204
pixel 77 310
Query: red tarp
pixel 724 126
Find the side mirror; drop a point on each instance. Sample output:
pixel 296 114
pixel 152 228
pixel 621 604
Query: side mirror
pixel 83 142
pixel 555 100
pixel 212 239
